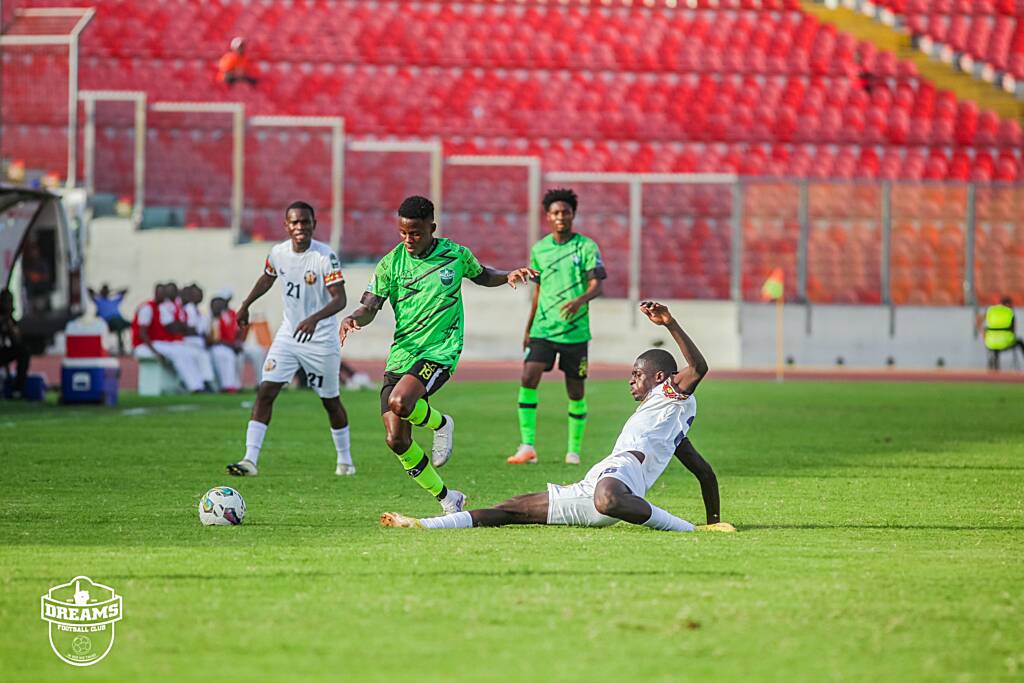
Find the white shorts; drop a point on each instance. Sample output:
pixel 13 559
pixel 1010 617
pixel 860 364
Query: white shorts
pixel 320 362
pixel 573 504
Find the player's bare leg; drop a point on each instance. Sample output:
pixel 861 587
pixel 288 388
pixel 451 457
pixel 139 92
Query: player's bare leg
pixel 262 410
pixel 415 462
pixel 338 418
pixel 527 453
pixel 613 498
pixel 530 508
pixel 408 403
pixel 692 460
pixel 574 388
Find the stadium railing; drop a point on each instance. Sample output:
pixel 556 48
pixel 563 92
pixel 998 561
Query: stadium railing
pixel 699 236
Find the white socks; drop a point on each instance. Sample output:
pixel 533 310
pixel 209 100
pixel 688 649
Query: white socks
pixel 340 437
pixel 666 521
pixel 254 440
pixel 456 520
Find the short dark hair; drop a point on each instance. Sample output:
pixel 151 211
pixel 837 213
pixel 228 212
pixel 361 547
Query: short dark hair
pixel 417 208
pixel 561 194
pixel 1007 301
pixel 300 205
pixel 658 360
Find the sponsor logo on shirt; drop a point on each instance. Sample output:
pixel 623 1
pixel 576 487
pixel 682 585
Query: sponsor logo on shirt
pixel 447 276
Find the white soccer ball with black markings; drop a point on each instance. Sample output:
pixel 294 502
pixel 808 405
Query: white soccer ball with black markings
pixel 221 505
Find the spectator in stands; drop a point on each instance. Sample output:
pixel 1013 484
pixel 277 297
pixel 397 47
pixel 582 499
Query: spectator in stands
pixel 151 338
pixel 108 308
pixel 1000 331
pixel 12 348
pixel 234 65
pixel 225 341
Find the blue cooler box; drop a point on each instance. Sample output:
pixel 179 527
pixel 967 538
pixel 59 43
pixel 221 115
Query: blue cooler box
pixel 89 380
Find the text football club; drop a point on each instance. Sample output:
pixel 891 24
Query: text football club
pixel 82 615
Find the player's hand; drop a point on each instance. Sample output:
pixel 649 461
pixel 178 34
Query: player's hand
pixel 348 325
pixel 242 317
pixel 658 313
pixel 304 331
pixel 521 275
pixel 570 308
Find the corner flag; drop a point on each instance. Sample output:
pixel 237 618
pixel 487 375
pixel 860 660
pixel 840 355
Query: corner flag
pixel 772 288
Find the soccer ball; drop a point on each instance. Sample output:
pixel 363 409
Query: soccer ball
pixel 221 505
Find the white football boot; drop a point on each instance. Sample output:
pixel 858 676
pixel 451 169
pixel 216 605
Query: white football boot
pixel 243 468
pixel 443 441
pixel 345 470
pixel 572 458
pixel 453 502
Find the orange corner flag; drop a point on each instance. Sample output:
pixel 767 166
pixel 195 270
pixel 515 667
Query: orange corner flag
pixel 772 288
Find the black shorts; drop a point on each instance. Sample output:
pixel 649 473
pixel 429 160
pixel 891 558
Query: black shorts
pixel 430 374
pixel 572 358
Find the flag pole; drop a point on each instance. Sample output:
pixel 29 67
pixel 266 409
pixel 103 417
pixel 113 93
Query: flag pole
pixel 779 338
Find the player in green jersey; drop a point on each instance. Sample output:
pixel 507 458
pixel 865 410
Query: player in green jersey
pixel 422 278
pixel 571 271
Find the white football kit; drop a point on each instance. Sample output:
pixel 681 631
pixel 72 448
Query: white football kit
pixel 305 278
pixel 656 428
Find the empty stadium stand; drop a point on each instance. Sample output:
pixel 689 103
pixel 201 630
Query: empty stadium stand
pixel 754 87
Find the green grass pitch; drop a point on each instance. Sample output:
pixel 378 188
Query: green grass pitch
pixel 881 539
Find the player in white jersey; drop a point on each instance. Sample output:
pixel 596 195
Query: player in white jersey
pixel 313 293
pixel 614 488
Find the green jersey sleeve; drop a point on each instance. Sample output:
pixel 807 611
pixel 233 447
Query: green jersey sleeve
pixel 593 264
pixel 379 289
pixel 470 266
pixel 534 263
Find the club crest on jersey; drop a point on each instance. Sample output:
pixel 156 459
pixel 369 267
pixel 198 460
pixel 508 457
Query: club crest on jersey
pixel 447 276
pixel 309 277
pixel 669 392
pixel 271 364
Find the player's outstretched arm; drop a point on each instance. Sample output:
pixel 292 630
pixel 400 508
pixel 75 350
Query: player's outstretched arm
pixel 305 330
pixel 363 315
pixel 689 377
pixel 261 287
pixel 492 277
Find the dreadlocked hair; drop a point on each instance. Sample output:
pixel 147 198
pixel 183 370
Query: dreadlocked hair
pixel 560 195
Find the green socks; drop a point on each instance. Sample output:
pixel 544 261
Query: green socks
pixel 527 415
pixel 577 424
pixel 417 465
pixel 528 419
pixel 423 415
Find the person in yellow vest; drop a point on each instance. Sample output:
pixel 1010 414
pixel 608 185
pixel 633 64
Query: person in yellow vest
pixel 1000 332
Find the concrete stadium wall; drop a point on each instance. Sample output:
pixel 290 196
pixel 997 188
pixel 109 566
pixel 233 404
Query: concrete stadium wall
pixel 863 336
pixel 730 335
